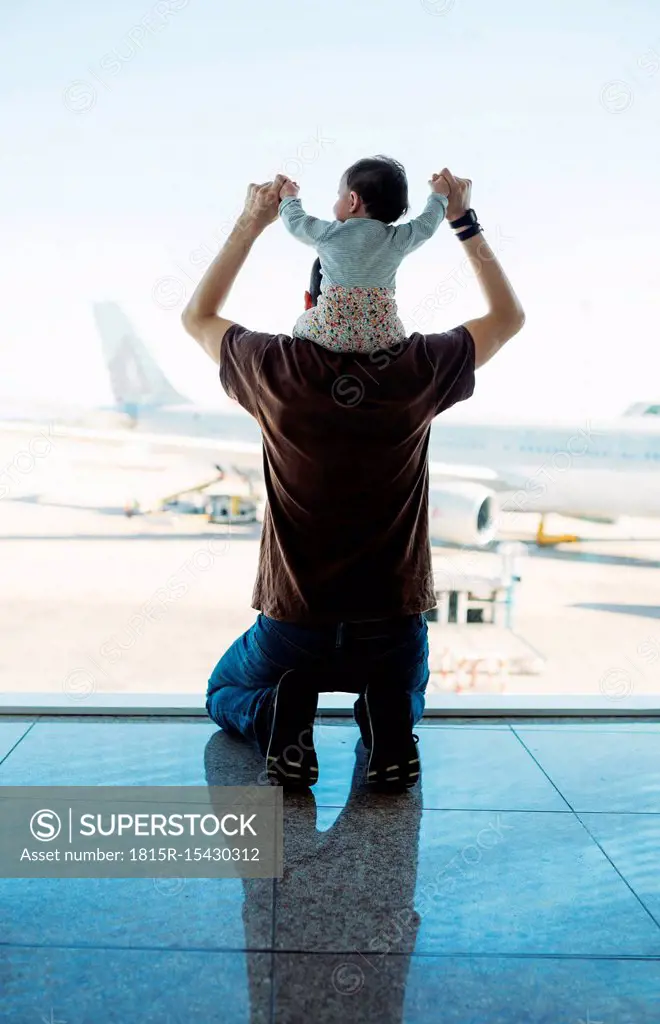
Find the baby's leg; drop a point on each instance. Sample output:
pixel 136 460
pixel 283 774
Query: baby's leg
pixel 375 321
pixel 323 325
pixel 352 320
pixel 308 325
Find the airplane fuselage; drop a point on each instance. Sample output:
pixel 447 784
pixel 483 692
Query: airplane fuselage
pixel 599 469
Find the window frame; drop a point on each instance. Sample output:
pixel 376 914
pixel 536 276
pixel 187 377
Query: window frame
pixel 337 704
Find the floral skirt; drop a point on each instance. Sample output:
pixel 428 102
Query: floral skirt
pixel 352 320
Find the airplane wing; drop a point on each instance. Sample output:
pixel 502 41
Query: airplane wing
pixel 127 436
pixel 126 466
pixel 492 478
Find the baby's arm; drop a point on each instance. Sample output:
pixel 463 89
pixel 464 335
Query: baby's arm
pixel 306 229
pixel 408 237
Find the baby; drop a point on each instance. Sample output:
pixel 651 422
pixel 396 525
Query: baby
pixel 360 253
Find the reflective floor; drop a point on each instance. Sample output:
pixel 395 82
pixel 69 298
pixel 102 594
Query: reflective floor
pixel 518 884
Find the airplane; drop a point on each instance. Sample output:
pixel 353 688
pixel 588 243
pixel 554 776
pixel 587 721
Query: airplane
pixel 597 470
pixel 591 470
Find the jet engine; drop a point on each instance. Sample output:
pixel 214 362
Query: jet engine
pixel 463 513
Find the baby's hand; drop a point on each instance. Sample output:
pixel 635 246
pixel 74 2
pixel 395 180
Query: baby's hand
pixel 289 188
pixel 439 185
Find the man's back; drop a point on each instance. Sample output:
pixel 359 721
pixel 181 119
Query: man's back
pixel 346 437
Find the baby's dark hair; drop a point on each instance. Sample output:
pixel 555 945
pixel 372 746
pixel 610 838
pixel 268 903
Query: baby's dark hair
pixel 382 185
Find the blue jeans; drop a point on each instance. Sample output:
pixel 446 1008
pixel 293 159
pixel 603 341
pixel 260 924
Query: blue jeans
pixel 349 653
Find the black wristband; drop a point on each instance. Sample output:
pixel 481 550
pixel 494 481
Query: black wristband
pixel 467 220
pixel 470 232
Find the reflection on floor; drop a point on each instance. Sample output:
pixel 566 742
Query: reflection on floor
pixel 518 883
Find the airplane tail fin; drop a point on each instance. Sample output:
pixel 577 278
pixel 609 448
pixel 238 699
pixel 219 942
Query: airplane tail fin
pixel 136 378
pixel 643 409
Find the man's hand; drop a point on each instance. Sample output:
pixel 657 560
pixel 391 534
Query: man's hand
pixel 201 317
pixel 289 189
pixel 261 204
pixel 460 193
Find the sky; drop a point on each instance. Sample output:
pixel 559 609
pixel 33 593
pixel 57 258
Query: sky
pixel 131 130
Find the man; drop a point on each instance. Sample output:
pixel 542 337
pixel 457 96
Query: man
pixel 345 561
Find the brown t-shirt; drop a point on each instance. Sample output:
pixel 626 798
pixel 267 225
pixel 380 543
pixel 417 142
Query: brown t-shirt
pixel 345 534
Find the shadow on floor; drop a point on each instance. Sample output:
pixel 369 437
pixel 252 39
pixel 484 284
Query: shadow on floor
pixel 371 846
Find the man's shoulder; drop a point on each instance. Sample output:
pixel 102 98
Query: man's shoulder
pixel 447 357
pixel 451 356
pixel 457 340
pixel 243 354
pixel 238 334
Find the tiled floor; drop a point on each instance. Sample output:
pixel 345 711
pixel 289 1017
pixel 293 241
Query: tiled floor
pixel 519 884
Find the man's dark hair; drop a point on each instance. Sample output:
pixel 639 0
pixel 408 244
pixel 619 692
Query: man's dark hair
pixel 315 282
pixel 382 185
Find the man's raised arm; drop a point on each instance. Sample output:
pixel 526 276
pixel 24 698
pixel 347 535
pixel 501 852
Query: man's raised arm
pixel 200 317
pixel 504 316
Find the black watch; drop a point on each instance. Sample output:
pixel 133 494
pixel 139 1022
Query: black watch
pixel 466 221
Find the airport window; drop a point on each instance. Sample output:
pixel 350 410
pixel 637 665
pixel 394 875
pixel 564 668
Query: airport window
pixel 133 497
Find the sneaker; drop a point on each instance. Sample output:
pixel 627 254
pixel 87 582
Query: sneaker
pixel 393 755
pixel 290 756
